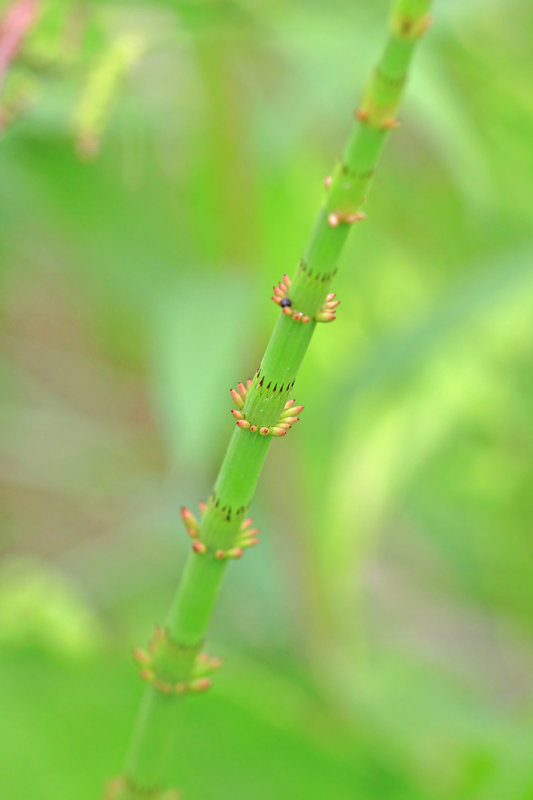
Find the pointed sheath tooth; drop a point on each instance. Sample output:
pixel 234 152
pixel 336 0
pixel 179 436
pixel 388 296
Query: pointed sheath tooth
pixel 237 414
pixel 284 425
pixel 147 675
pixel 237 399
pixel 253 428
pixel 243 423
pixel 331 295
pixel 242 389
pixel 292 411
pixel 187 515
pixel 248 540
pixel 199 685
pixel 234 552
pixel 289 403
pixel 220 554
pixel 288 412
pixel 246 536
pixel 305 318
pixel 286 280
pixel 333 303
pixel 247 523
pixel 248 383
pixel 205 664
pixel 203 507
pixel 193 532
pixel 277 431
pixel 140 656
pixel 290 420
pixel 333 220
pixel 263 431
pixel 391 124
pixel 189 520
pixel 287 311
pixel 199 547
pixel 246 543
pixel 276 300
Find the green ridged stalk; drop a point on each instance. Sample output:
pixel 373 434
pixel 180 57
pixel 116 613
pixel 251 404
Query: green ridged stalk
pixel 265 399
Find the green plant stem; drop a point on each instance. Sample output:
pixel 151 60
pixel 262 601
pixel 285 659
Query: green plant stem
pixel 271 387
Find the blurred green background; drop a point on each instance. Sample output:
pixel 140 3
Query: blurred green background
pixel 161 165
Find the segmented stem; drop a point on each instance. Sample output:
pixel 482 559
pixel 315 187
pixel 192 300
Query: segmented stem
pixel 272 385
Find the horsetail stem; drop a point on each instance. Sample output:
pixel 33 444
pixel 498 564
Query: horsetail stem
pixel 174 665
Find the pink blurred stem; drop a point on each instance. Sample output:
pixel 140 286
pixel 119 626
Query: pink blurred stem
pixel 18 20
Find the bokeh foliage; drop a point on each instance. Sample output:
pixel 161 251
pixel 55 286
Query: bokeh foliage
pixel 379 642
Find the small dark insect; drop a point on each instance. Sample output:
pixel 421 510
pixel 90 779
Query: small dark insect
pixel 285 302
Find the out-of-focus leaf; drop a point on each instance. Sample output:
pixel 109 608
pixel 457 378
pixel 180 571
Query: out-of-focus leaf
pixel 199 333
pixel 41 608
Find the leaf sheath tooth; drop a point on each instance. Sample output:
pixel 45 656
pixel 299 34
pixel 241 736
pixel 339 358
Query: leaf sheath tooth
pixel 237 398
